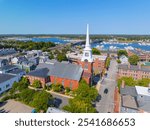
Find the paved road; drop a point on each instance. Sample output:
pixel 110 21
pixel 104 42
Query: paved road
pixel 106 104
pixel 60 101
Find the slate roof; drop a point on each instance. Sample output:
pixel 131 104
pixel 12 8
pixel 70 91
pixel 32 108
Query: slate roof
pixel 7 67
pixel 62 70
pixel 129 101
pixel 136 52
pixel 43 73
pixel 128 91
pixel 16 71
pixel 7 52
pixel 146 107
pixel 69 71
pixel 133 67
pixel 5 77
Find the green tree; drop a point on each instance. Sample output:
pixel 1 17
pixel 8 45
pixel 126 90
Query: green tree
pixel 41 100
pixel 96 51
pixel 122 52
pixel 27 96
pixel 133 60
pixel 107 62
pixel 57 87
pixel 129 81
pixel 37 84
pixel 143 82
pixel 61 57
pixel 86 93
pixel 51 56
pixel 79 106
pixel 82 102
pixel 118 61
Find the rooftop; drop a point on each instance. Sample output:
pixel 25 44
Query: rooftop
pixel 142 91
pixel 129 101
pixel 7 67
pixel 128 91
pixel 7 52
pixel 69 71
pixel 16 71
pixel 43 72
pixel 133 67
pixel 55 110
pixel 63 70
pixel 5 77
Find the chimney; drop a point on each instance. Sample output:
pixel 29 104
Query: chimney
pixel 128 65
pixel 123 84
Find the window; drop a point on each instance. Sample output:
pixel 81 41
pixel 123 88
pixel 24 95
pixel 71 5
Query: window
pixel 86 54
pixel 71 84
pixel 7 85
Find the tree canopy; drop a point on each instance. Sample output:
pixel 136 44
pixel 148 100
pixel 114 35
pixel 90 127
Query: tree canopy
pixel 129 81
pixel 37 84
pixel 82 102
pixel 122 52
pixel 133 60
pixel 41 100
pixel 96 51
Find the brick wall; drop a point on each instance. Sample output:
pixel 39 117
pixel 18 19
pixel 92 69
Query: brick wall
pixel 72 84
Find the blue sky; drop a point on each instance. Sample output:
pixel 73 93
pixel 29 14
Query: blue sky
pixel 71 16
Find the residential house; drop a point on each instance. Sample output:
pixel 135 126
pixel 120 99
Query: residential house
pixel 6 82
pixel 124 59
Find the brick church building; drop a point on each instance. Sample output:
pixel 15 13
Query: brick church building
pixel 66 74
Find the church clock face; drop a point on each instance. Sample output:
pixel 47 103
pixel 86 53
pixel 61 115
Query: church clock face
pixel 86 54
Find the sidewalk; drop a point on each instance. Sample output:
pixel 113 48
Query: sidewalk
pixel 52 92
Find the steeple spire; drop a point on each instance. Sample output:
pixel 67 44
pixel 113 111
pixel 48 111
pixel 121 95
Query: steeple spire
pixel 87 37
pixel 87 52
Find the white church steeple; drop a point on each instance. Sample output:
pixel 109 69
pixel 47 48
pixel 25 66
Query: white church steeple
pixel 87 52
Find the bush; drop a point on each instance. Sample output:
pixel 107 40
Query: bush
pixel 67 90
pixel 118 61
pixel 57 87
pixel 37 84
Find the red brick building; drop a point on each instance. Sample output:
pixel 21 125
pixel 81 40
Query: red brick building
pixel 67 74
pixel 137 72
pixel 143 56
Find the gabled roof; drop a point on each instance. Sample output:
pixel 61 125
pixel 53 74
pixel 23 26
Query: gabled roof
pixel 62 70
pixel 68 71
pixel 5 77
pixel 43 73
pixel 129 101
pixel 128 91
pixel 7 67
pixel 133 67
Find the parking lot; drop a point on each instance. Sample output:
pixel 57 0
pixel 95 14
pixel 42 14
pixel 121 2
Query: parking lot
pixel 12 106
